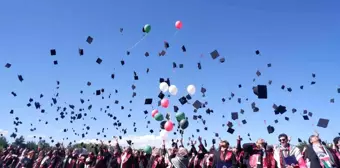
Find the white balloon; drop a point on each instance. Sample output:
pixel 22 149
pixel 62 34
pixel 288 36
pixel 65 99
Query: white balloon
pixel 173 90
pixel 191 89
pixel 163 134
pixel 163 87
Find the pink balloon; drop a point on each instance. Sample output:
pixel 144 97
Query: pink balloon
pixel 168 126
pixel 154 112
pixel 165 103
pixel 178 24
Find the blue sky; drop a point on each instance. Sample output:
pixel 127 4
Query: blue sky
pixel 297 37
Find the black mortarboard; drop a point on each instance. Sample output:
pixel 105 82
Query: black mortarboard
pixel 174 65
pixel 332 100
pixel 313 75
pixel 323 123
pixel 199 66
pixel 8 65
pixel 214 54
pixel 161 95
pixel 260 91
pixel 183 100
pixel 122 62
pixel 53 52
pixel 81 51
pixel 162 53
pixel 313 82
pixel 146 54
pixel 242 111
pixel 188 97
pixel 270 82
pixel 258 73
pixel 20 78
pixel 270 129
pixel 176 109
pixel 269 65
pixel 294 110
pixel 299 140
pixel 280 110
pixel 222 60
pixel 287 118
pixel 305 117
pixel 257 52
pixel 234 115
pixel 148 101
pixel 184 49
pixel 244 121
pixel 310 114
pixel 230 130
pixel 301 87
pixel 230 124
pixel 338 90
pixel 55 62
pixel 166 45
pixel 197 104
pixel 89 39
pixel 99 61
pixel 181 65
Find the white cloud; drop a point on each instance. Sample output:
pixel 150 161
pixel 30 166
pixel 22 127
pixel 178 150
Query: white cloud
pixel 139 141
pixel 3 132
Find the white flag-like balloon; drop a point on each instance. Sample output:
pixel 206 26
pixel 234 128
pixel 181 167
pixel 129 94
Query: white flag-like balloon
pixel 173 90
pixel 191 89
pixel 163 87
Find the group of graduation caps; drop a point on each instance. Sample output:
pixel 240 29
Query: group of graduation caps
pixel 258 154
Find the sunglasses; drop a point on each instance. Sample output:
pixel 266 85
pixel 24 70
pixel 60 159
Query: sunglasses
pixel 282 140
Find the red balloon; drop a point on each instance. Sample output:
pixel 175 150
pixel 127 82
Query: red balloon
pixel 178 24
pixel 154 112
pixel 168 126
pixel 165 103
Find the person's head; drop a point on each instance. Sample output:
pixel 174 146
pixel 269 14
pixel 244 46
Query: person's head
pixel 224 145
pixel 283 139
pixel 128 150
pixel 336 142
pixel 261 143
pixel 30 154
pixel 313 139
pixel 182 152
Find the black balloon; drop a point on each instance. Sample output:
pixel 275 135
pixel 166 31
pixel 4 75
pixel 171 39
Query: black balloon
pixel 162 124
pixel 184 124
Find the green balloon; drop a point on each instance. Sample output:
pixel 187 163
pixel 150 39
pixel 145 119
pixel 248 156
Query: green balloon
pixel 159 117
pixel 147 28
pixel 148 149
pixel 180 116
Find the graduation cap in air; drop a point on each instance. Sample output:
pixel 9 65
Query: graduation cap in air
pixel 81 51
pixel 257 52
pixel 280 110
pixel 197 104
pixel 89 39
pixel 53 52
pixel 146 54
pixel 129 142
pixel 230 130
pixel 270 129
pixel 148 101
pixel 20 78
pixel 244 121
pixel 299 140
pixel 55 62
pixel 174 65
pixel 214 54
pixel 199 66
pixel 183 48
pixel 166 45
pixel 99 61
pixel 181 65
pixel 260 91
pixel 8 65
pixel 122 62
pixel 234 116
pixel 323 123
pixel 305 117
pixel 222 60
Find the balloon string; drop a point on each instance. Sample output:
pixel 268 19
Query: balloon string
pixel 138 42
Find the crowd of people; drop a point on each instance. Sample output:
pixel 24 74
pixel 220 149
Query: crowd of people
pixel 249 155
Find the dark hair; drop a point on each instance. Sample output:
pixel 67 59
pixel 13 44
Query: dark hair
pixel 283 135
pixel 335 141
